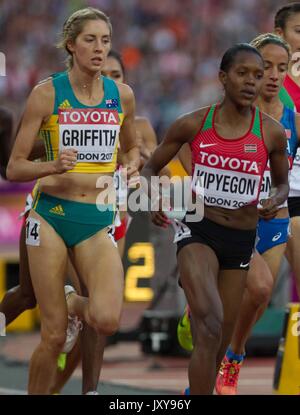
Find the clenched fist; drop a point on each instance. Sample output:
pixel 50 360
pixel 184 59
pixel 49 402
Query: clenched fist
pixel 67 160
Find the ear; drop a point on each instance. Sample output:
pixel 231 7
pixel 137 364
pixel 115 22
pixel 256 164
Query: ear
pixel 223 77
pixel 70 46
pixel 278 31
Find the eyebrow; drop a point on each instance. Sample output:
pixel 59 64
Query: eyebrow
pixel 281 63
pixel 245 67
pixel 92 35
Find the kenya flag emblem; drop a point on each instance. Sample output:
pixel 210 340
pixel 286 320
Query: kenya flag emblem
pixel 250 148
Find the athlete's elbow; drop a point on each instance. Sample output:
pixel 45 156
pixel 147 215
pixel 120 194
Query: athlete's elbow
pixel 287 190
pixel 11 172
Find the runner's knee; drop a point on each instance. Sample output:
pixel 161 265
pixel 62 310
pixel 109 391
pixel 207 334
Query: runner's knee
pixel 105 322
pixel 54 339
pixel 260 293
pixel 208 324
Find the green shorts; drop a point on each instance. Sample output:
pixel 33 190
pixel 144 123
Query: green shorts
pixel 73 221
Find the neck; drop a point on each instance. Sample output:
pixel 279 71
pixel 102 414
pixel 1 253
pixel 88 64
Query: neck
pixel 233 112
pixel 85 81
pixel 271 106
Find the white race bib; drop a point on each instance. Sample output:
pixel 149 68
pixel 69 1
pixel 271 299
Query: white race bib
pixel 33 232
pixel 226 188
pixel 265 189
pixel 94 132
pixel 295 176
pixel 120 182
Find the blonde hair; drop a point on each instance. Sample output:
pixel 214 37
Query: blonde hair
pixel 73 26
pixel 270 39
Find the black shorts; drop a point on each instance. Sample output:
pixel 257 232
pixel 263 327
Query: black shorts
pixel 233 247
pixel 294 206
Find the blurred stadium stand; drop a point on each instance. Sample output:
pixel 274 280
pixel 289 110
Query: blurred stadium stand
pixel 171 48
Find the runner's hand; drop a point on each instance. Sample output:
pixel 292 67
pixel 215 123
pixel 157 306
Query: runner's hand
pixel 158 214
pixel 133 175
pixel 160 219
pixel 145 153
pixel 269 209
pixel 67 160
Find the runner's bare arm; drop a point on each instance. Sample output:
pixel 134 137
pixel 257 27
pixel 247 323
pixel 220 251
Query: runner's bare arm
pixel 38 151
pixel 185 158
pixel 131 154
pixel 7 141
pixel 181 131
pixel 38 108
pixel 147 142
pixel 146 138
pixel 276 143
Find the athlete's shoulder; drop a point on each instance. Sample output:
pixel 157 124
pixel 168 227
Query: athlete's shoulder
pixel 270 124
pixel 186 127
pixel 50 78
pixel 146 131
pixel 193 120
pixel 46 85
pixel 199 111
pixel 44 88
pixel 125 91
pixel 41 99
pixel 127 98
pixel 274 133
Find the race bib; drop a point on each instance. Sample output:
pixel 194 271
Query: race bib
pixel 295 174
pixel 94 132
pixel 120 182
pixel 33 232
pixel 226 188
pixel 265 188
pixel 297 158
